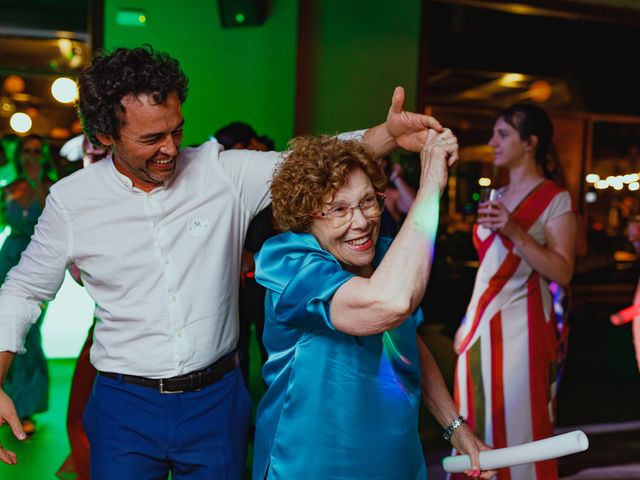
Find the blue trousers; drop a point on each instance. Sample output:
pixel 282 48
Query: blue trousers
pixel 137 433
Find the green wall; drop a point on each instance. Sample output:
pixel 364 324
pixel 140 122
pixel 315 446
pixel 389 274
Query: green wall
pixel 337 73
pixel 356 52
pixel 245 74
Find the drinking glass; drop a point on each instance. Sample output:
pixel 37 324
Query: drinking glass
pixel 489 194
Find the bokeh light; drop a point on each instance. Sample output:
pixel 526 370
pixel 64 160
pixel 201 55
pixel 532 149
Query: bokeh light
pixel 64 90
pixel 20 122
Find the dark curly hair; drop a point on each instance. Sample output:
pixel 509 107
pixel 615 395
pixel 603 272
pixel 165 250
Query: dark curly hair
pixel 111 77
pixel 314 167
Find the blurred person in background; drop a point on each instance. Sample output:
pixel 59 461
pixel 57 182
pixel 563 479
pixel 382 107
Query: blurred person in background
pixel 21 204
pixel 399 196
pixel 505 381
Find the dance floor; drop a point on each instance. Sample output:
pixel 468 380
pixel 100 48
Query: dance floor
pixel 614 452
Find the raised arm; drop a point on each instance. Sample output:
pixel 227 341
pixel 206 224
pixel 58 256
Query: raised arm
pixel 403 129
pixel 365 306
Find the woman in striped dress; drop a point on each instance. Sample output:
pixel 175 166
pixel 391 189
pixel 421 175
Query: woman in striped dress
pixel 505 378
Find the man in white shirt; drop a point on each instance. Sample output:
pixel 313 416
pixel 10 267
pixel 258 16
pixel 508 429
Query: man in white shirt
pixel 157 234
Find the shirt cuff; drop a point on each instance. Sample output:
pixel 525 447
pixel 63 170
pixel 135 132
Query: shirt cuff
pixel 355 135
pixel 16 317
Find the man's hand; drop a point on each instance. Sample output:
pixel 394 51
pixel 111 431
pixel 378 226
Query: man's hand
pixel 408 129
pixel 8 415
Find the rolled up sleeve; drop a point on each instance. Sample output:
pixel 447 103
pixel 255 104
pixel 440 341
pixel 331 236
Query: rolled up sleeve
pixel 37 277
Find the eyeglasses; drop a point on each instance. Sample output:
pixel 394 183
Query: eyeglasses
pixel 340 214
pixel 34 151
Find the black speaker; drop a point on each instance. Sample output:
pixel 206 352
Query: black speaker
pixel 242 13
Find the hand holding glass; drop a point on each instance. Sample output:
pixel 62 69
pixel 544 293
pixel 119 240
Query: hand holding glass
pixel 489 194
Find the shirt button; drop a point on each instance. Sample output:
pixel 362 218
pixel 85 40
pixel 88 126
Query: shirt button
pixel 173 298
pixel 166 261
pixel 179 334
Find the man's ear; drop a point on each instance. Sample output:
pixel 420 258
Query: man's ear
pixel 106 140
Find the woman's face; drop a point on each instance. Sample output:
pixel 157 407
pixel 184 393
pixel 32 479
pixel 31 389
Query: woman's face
pixel 30 154
pixel 509 149
pixel 353 244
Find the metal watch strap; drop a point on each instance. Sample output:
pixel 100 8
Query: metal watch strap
pixel 453 426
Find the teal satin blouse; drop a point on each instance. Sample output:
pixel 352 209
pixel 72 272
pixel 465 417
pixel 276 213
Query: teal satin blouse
pixel 338 406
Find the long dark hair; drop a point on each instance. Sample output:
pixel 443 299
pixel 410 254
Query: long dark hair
pixel 529 120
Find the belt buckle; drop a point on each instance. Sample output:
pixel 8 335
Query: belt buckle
pixel 197 375
pixel 167 392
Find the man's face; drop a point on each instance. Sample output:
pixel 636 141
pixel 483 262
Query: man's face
pixel 149 142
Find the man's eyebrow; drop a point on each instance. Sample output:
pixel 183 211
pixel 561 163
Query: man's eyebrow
pixel 149 136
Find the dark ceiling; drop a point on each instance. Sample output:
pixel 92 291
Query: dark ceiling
pixel 41 40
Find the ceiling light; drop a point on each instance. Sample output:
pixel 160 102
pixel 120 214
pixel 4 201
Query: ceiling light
pixel 511 79
pixel 20 122
pixel 13 84
pixel 592 178
pixel 64 90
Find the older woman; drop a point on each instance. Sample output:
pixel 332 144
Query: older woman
pixel 346 368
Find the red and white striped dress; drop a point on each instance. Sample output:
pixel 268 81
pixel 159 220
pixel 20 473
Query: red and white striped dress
pixel 505 374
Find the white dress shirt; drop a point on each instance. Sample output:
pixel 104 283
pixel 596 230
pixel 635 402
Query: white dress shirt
pixel 163 267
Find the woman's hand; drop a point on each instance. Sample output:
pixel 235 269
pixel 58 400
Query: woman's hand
pixel 440 150
pixel 464 441
pixel 495 216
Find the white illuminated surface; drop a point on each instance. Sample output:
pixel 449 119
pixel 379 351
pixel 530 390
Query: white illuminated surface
pixel 592 178
pixel 68 320
pixel 591 197
pixel 20 122
pixel 64 90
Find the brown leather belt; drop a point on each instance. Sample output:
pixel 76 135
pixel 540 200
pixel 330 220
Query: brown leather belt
pixel 191 382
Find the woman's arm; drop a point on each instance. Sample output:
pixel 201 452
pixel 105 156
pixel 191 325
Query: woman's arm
pixel 439 402
pixel 555 260
pixel 365 306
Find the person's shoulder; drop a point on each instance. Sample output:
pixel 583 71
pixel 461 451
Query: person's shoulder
pixel 81 179
pixel 293 255
pixel 292 242
pixel 248 155
pixel 551 188
pixel 293 249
